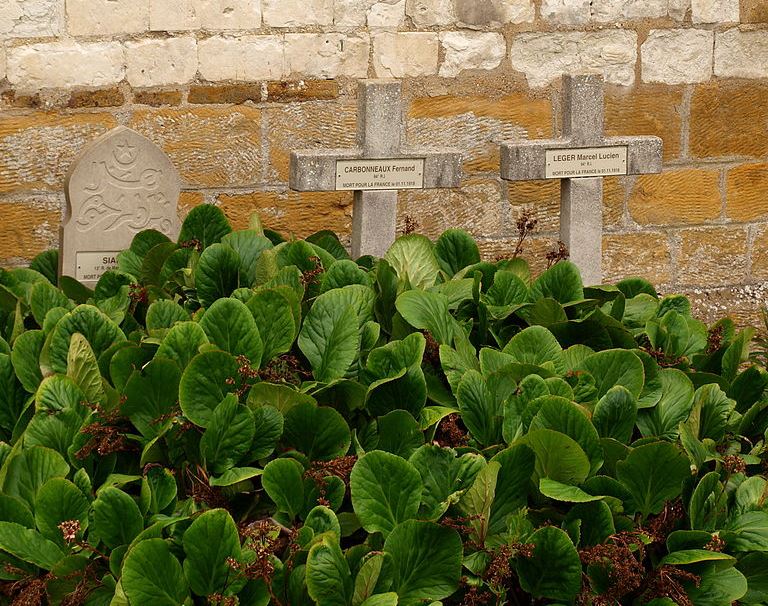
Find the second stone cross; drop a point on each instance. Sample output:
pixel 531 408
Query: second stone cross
pixel 377 168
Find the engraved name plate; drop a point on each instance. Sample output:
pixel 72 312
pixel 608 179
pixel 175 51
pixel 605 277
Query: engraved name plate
pixel 92 265
pixel 357 175
pixel 586 162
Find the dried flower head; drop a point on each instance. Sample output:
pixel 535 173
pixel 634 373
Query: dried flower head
pixel 69 530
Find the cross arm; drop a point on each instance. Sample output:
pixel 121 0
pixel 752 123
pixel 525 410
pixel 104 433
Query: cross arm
pixel 526 160
pixel 315 170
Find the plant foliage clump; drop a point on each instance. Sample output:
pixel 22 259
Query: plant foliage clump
pixel 236 419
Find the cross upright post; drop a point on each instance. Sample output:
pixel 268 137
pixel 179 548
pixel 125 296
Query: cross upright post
pixel 581 158
pixel 377 168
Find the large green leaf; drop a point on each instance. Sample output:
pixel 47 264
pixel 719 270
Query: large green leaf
pixel 97 328
pixel 217 274
pixel 717 587
pixel 271 310
pixel 43 298
pixel 480 411
pixel 30 469
pixel 663 420
pixel 712 409
pixel 83 369
pixel 615 367
pixel 455 250
pixel 58 392
pixel 754 566
pixel 562 282
pixel 208 543
pixel 12 396
pixel 230 326
pixel 26 358
pixel 413 259
pixel 329 338
pixel 386 490
pixel 536 346
pixel 116 517
pixel 59 500
pixel 329 580
pixel 29 545
pixel 205 224
pixel 229 435
pixel 162 315
pixel 396 378
pixel 517 466
pixel 206 380
pixel 615 414
pixel 248 244
pixel 554 571
pixel 427 311
pixel 747 532
pixel 426 559
pixel 399 433
pixel 476 502
pixel 653 474
pixel 558 457
pixel 182 343
pixel 151 394
pixel 320 432
pixel 283 481
pixel 152 576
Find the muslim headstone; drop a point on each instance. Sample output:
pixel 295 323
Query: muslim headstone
pixel 581 158
pixel 121 183
pixel 377 168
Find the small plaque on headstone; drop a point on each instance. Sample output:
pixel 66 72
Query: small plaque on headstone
pixel 360 175
pixel 586 162
pixel 121 184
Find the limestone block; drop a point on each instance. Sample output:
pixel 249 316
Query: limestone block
pixel 244 59
pixel 161 62
pixel 402 55
pixel 427 13
pixel 677 56
pixel 494 13
pixel 176 15
pixel 623 10
pixel 566 12
pixel 66 64
pixel 471 50
pixel 327 55
pixel 741 54
pixel 296 13
pixel 373 13
pixel 715 11
pixel 107 17
pixel 678 9
pixel 31 18
pixel 746 187
pixel 2 62
pixel 712 256
pixel 544 57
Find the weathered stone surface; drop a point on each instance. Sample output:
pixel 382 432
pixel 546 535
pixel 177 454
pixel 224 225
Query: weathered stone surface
pixel 747 193
pixel 434 211
pixel 646 110
pixel 426 13
pixel 741 54
pixel 534 252
pixel 210 146
pixel 493 13
pixel 373 13
pixel 296 13
pixel 740 303
pixel 247 58
pixel 107 17
pixel 302 90
pixel 729 119
pixel 678 9
pixel 120 184
pixel 677 56
pixel 327 55
pixel 155 98
pixel 3 63
pixel 298 213
pixel 36 148
pixel 311 124
pixel 66 64
pixel 623 10
pixel 645 254
pixel 31 18
pixel 760 254
pixel 566 12
pixel 715 11
pixel 539 198
pixel 225 94
pixel 188 200
pixel 176 15
pixel 712 256
pixel 108 97
pixel 676 197
pixel 30 226
pixel 477 125
pixel 161 62
pixel 754 11
pixel 545 57
pixel 406 54
pixel 471 50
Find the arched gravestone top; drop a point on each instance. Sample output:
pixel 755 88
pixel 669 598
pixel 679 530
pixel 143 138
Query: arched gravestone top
pixel 120 184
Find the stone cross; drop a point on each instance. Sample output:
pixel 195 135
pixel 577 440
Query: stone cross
pixel 377 168
pixel 581 158
pixel 120 184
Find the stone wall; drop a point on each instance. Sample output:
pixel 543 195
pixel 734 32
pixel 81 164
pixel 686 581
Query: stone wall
pixel 228 87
